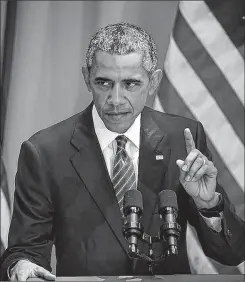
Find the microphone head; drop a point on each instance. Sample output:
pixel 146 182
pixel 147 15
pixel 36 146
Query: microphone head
pixel 167 198
pixel 133 198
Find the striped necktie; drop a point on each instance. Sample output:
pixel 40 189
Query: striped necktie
pixel 123 175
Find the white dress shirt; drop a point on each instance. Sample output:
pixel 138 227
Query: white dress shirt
pixel 108 146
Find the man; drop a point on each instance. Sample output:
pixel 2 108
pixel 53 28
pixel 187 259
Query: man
pixel 72 176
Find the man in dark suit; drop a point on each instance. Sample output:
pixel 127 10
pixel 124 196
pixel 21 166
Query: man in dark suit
pixel 69 189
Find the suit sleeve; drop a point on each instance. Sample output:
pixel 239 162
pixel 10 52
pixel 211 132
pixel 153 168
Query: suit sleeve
pixel 226 246
pixel 31 229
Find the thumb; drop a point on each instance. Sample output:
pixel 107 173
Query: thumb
pixel 45 274
pixel 180 164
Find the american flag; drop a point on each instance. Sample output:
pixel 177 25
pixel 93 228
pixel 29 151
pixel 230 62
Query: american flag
pixel 204 80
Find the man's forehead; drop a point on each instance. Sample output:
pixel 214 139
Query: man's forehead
pixel 129 61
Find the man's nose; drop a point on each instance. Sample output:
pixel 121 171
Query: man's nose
pixel 116 97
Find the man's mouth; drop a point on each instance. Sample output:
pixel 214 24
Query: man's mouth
pixel 116 115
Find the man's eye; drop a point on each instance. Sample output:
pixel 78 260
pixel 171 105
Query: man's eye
pixel 103 83
pixel 131 85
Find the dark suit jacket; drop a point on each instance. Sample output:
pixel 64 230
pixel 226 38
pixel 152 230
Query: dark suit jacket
pixel 64 196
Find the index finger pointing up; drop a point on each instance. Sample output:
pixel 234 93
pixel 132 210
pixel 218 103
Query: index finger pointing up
pixel 189 142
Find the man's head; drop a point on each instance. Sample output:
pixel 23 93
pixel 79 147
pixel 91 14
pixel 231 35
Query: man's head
pixel 121 73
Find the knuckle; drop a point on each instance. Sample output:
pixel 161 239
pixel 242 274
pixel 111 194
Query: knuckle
pixel 39 270
pixel 194 152
pixel 205 167
pixel 215 170
pixel 197 177
pixel 198 173
pixel 20 273
pixel 191 156
pixel 192 170
pixel 200 159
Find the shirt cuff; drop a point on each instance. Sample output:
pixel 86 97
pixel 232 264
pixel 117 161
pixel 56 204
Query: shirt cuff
pixel 214 223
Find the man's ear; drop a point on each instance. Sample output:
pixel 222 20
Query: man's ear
pixel 155 81
pixel 86 77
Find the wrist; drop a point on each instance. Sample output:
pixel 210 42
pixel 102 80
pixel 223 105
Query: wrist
pixel 10 268
pixel 214 211
pixel 213 203
pixel 208 204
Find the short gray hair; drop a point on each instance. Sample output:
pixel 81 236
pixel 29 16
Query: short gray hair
pixel 121 39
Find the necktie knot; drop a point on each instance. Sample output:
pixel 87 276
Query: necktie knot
pixel 121 142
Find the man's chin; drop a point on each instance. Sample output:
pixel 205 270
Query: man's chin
pixel 117 127
pixel 118 123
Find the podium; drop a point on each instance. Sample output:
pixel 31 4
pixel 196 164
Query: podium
pixel 157 278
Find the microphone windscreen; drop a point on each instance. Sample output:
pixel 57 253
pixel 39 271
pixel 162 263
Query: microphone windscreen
pixel 133 198
pixel 167 198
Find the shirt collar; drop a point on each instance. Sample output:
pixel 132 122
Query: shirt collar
pixel 106 137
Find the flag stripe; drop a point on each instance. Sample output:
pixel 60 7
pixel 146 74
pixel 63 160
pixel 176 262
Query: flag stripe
pixel 232 24
pixel 173 103
pixel 217 43
pixel 200 102
pixel 212 76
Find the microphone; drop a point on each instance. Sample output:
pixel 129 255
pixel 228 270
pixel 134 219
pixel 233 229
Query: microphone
pixel 133 209
pixel 168 211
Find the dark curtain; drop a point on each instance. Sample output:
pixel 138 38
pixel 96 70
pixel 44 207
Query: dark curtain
pixel 8 37
pixel 6 64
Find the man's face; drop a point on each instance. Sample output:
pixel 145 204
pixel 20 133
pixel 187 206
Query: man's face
pixel 120 86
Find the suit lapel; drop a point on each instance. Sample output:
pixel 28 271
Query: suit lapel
pixel 90 165
pixel 153 161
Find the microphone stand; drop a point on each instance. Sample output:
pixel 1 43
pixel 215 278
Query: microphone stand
pixel 137 229
pixel 133 230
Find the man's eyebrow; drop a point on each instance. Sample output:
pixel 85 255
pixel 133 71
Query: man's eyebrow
pixel 132 80
pixel 102 79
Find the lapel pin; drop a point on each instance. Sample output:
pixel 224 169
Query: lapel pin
pixel 159 157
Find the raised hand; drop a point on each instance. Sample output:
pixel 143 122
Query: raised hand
pixel 25 269
pixel 198 175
